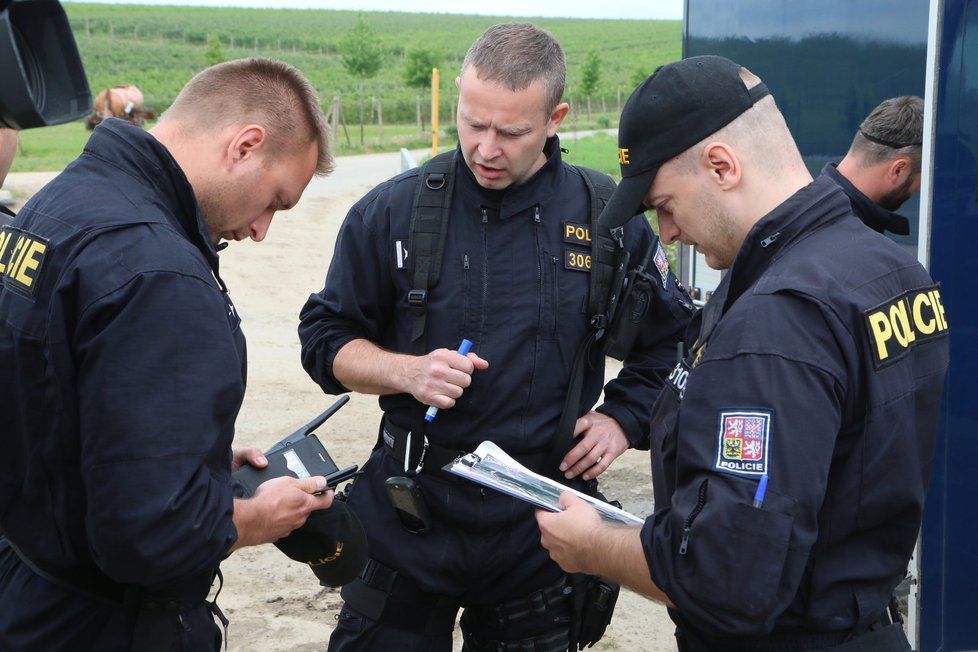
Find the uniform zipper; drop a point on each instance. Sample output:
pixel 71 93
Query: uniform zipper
pixel 700 504
pixel 540 275
pixel 485 270
pixel 553 296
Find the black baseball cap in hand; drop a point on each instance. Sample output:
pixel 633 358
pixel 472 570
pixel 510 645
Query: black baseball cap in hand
pixel 678 106
pixel 332 542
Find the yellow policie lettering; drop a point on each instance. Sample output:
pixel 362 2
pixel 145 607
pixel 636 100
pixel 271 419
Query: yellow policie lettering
pixel 29 261
pixel 577 233
pixel 623 156
pixel 901 323
pixel 326 560
pixel 21 259
pixel 4 241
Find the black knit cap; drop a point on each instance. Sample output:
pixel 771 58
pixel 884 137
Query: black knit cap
pixel 678 106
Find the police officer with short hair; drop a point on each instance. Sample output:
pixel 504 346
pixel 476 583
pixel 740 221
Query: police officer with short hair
pixel 124 368
pixel 792 448
pixel 881 170
pixel 514 281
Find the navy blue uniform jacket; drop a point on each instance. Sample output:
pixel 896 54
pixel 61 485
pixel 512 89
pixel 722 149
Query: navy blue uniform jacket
pixel 504 286
pixel 820 363
pixel 124 369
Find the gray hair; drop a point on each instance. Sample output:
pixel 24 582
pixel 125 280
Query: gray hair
pixel 894 128
pixel 514 55
pixel 270 93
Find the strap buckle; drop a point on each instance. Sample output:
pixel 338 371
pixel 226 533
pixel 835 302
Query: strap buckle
pixel 417 298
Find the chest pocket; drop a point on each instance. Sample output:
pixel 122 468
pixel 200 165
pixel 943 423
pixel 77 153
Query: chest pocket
pixel 549 296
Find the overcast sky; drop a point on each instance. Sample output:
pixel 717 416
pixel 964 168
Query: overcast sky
pixel 633 9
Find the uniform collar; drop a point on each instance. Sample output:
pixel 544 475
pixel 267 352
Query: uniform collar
pixel 815 206
pixel 872 214
pixel 139 154
pixel 519 197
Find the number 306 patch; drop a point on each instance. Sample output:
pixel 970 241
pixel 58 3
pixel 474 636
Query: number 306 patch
pixel 579 260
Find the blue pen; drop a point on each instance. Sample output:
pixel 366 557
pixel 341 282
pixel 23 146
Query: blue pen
pixel 463 349
pixel 761 490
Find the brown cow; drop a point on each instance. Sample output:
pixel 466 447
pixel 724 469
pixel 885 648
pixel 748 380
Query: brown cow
pixel 125 101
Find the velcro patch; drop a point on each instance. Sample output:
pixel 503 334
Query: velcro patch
pixel 662 263
pixel 577 260
pixel 677 379
pixel 21 260
pixel 742 442
pixel 400 254
pixel 898 325
pixel 579 234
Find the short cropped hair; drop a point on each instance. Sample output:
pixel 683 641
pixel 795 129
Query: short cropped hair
pixel 270 93
pixel 514 55
pixel 894 128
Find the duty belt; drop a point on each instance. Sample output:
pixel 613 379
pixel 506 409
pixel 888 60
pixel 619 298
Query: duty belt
pixel 887 628
pixel 415 452
pixel 86 580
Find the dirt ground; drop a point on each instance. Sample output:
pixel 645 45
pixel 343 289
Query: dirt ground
pixel 275 604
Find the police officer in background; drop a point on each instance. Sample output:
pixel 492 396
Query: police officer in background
pixel 882 168
pixel 124 368
pixel 792 450
pixel 507 287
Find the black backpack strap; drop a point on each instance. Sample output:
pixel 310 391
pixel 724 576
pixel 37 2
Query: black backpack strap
pixel 606 248
pixel 426 243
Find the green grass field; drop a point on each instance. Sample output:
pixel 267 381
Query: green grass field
pixel 158 48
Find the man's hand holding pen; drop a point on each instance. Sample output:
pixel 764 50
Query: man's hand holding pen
pixel 439 378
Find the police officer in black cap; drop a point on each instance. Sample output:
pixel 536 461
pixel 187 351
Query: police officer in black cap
pixel 792 451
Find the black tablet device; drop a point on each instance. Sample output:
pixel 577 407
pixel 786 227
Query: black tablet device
pixel 302 458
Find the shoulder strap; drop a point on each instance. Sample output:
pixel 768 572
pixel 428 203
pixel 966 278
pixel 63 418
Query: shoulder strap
pixel 606 246
pixel 606 249
pixel 426 239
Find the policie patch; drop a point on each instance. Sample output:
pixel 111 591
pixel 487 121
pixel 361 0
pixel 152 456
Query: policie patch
pixel 577 234
pixel 898 325
pixel 742 442
pixel 21 260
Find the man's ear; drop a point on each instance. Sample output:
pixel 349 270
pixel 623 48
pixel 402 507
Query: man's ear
pixel 556 117
pixel 723 164
pixel 245 143
pixel 898 169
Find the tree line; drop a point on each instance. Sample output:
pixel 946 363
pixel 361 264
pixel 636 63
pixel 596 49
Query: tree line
pixel 382 61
